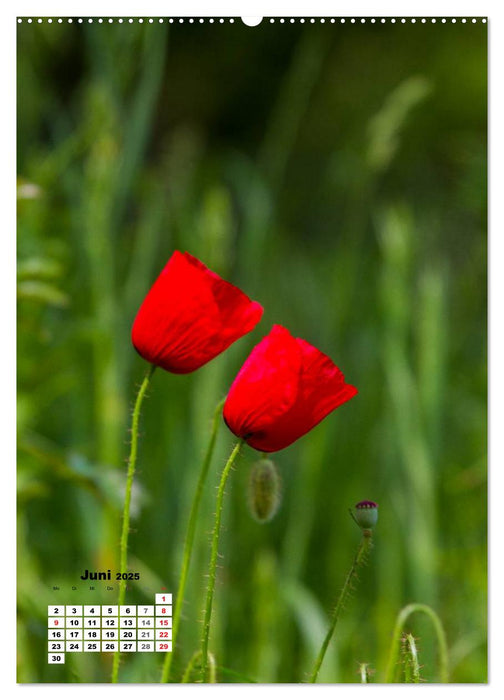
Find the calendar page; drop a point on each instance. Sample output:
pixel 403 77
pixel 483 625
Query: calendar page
pixel 251 337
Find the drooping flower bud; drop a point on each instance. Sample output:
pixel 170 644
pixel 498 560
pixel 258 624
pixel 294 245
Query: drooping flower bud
pixel 264 490
pixel 366 514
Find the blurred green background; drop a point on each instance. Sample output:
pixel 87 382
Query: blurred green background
pixel 337 174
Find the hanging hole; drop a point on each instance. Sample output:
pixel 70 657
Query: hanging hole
pixel 251 21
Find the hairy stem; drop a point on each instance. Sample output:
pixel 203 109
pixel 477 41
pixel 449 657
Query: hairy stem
pixel 404 614
pixel 193 664
pixel 212 569
pixel 127 502
pixel 360 557
pixel 364 673
pixel 410 658
pixel 189 540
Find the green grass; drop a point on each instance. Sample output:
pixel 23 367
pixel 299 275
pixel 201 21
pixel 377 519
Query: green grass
pixel 345 191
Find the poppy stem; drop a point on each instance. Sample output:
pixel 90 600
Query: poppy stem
pixel 189 540
pixel 360 558
pixel 127 501
pixel 410 660
pixel 212 569
pixel 193 668
pixel 404 614
pixel 364 672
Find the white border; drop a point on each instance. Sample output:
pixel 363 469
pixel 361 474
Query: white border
pixel 260 8
pixel 461 8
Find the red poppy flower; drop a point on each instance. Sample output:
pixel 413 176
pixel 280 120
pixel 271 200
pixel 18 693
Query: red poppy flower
pixel 191 315
pixel 285 388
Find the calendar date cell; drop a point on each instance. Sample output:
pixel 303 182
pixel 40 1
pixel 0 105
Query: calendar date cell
pixel 54 622
pixel 163 622
pixel 73 610
pixel 125 622
pixel 92 610
pixel 163 598
pixel 92 634
pixel 128 634
pixel 145 634
pixel 56 634
pixel 145 622
pixel 128 610
pixel 74 634
pixel 73 622
pixel 109 634
pixel 109 622
pixel 164 610
pixel 56 659
pixel 164 634
pixel 55 610
pixel 145 610
pixel 110 610
pixel 91 622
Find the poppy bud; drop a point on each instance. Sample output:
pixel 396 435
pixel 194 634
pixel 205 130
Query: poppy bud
pixel 264 490
pixel 366 514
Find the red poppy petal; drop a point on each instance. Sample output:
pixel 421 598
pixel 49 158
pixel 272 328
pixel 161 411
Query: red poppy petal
pixel 322 388
pixel 190 316
pixel 266 386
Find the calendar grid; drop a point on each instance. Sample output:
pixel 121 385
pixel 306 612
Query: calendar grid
pixel 108 628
